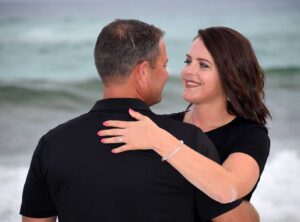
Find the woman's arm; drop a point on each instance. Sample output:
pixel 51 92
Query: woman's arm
pixel 30 219
pixel 233 180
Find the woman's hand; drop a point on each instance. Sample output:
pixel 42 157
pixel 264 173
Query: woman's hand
pixel 136 135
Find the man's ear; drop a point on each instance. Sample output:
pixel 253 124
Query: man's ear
pixel 142 73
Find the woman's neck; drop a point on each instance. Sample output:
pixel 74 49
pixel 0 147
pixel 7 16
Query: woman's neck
pixel 208 117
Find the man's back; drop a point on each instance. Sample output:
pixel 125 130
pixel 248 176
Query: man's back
pixel 75 176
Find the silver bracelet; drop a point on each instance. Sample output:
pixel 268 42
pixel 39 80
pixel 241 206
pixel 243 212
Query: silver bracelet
pixel 174 152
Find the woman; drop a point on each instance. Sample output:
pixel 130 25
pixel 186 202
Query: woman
pixel 223 83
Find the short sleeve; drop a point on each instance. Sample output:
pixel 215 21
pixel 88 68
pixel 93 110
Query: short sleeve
pixel 255 142
pixel 36 201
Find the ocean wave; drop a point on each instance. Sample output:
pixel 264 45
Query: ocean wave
pixel 57 35
pixel 54 93
pixel 289 70
pixel 12 181
pixel 49 36
pixel 277 196
pixel 48 93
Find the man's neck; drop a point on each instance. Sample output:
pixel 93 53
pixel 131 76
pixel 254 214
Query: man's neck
pixel 121 91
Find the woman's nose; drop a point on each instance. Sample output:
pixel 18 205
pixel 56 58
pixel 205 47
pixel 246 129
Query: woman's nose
pixel 190 69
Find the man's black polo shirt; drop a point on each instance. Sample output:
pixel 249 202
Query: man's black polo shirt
pixel 75 176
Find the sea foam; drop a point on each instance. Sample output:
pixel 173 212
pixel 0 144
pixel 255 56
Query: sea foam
pixel 277 197
pixel 11 185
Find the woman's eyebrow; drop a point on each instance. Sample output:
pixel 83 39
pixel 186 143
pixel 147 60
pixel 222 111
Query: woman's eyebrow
pixel 199 59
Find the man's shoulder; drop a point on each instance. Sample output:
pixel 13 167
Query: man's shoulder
pixel 68 126
pixel 166 122
pixel 192 136
pixel 179 129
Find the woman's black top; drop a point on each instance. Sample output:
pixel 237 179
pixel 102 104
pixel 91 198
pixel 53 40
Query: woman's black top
pixel 239 135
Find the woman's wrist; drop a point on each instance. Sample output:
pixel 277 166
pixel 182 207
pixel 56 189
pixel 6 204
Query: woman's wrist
pixel 179 147
pixel 165 143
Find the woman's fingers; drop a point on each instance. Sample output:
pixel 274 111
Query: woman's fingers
pixel 121 149
pixel 127 132
pixel 116 123
pixel 136 115
pixel 125 124
pixel 111 140
pixel 116 139
pixel 111 132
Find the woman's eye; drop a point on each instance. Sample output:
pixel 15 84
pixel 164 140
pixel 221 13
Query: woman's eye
pixel 203 65
pixel 187 62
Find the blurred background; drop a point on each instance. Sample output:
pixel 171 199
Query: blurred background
pixel 47 76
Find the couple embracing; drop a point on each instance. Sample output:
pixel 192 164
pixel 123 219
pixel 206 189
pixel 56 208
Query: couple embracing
pixel 122 162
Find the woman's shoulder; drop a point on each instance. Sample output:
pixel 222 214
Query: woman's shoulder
pixel 245 126
pixel 249 133
pixel 238 127
pixel 253 139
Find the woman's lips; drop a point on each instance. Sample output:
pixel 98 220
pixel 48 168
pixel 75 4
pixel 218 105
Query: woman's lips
pixel 191 84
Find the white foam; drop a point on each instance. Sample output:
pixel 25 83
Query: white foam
pixel 11 185
pixel 50 34
pixel 277 197
pixel 56 35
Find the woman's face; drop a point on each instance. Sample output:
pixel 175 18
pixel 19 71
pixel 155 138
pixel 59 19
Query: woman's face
pixel 200 76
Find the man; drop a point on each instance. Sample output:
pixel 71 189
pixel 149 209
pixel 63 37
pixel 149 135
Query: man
pixel 76 177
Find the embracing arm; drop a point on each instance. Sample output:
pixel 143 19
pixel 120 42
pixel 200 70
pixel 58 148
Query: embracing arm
pixel 233 180
pixel 30 219
pixel 226 183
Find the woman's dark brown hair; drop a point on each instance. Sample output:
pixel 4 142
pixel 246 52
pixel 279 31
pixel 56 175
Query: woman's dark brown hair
pixel 241 76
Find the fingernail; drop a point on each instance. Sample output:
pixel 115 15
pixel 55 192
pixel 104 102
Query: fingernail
pixel 131 110
pixel 99 133
pixel 105 123
pixel 102 140
pixel 113 151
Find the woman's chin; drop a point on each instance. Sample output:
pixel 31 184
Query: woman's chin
pixel 188 98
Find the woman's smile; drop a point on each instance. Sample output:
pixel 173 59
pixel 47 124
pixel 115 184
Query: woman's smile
pixel 191 84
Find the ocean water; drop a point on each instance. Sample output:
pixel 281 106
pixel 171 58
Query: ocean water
pixel 47 76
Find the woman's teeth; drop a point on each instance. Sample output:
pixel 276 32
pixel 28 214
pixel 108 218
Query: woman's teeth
pixel 192 84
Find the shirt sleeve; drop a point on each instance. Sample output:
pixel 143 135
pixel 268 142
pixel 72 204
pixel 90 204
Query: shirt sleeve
pixel 207 208
pixel 36 201
pixel 255 142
